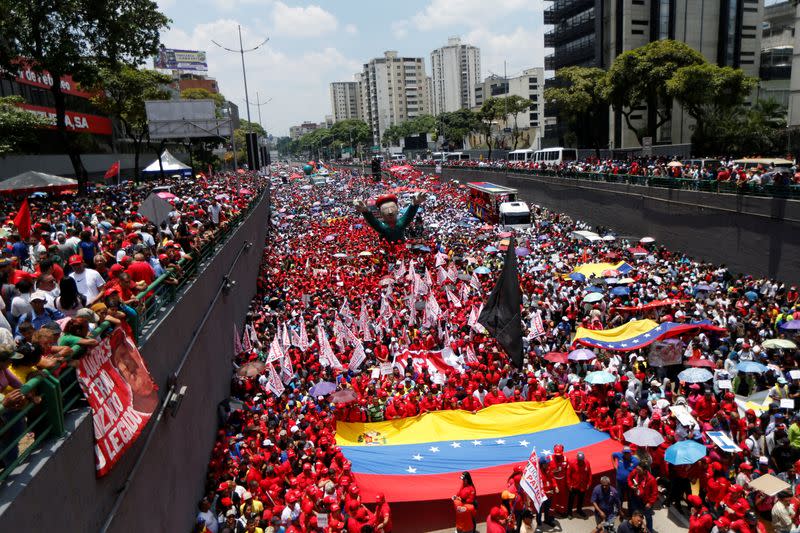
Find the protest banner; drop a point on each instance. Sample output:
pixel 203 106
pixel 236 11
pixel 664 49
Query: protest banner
pixel 121 394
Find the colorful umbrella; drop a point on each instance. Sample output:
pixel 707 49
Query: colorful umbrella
pixel 641 436
pixel 791 325
pixel 556 357
pixel 323 388
pixel 695 375
pixel 593 297
pixel 783 344
pixel 581 354
pixel 343 396
pixel 482 270
pixel 600 377
pixel 249 370
pixel 685 452
pixel 577 276
pixel 699 362
pixel 751 366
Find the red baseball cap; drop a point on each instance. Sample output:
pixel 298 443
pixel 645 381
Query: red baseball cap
pixel 75 259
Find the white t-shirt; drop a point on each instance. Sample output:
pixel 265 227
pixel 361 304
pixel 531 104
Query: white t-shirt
pixel 89 283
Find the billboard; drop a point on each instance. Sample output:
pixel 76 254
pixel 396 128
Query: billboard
pixel 183 60
pixel 178 119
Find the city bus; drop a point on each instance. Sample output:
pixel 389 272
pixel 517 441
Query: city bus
pixel 555 156
pixel 515 215
pixel 485 199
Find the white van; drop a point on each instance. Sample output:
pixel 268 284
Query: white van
pixel 515 215
pixel 521 155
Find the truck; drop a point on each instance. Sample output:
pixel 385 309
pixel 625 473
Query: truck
pixel 515 215
pixel 486 198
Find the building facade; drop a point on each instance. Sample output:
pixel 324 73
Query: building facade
pixel 777 47
pixel 529 84
pixel 491 87
pixel 295 132
pixel 345 100
pixel 595 32
pixel 394 89
pixel 456 70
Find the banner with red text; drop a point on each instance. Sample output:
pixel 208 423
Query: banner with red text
pixel 120 392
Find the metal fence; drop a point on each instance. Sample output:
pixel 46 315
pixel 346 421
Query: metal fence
pixel 23 431
pixel 779 191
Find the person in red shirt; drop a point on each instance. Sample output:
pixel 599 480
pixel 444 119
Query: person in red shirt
pixel 383 514
pixel 749 524
pixel 139 270
pixel 706 407
pixel 496 521
pixel 549 487
pixel 579 479
pixel 558 471
pixel 644 492
pixel 465 515
pixel 700 519
pixel 494 396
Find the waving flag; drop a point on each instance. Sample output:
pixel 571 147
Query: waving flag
pixel 304 344
pixel 501 315
pixel 420 458
pixel 639 333
pixel 285 339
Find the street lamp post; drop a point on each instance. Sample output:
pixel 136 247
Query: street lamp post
pixel 241 51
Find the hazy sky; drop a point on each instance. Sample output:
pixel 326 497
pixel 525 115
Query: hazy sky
pixel 313 44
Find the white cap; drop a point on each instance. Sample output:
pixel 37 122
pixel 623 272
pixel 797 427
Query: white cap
pixel 39 295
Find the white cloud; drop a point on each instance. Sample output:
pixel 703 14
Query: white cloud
pixel 301 21
pixel 473 13
pixel 295 80
pixel 520 49
pixel 400 28
pixel 229 6
pixel 351 29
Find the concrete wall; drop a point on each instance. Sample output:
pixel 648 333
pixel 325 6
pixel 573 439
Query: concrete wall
pixel 755 235
pixel 58 491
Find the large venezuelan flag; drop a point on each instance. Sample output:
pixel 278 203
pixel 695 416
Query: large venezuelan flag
pixel 597 269
pixel 421 458
pixel 638 334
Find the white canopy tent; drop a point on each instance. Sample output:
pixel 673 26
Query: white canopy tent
pixel 171 165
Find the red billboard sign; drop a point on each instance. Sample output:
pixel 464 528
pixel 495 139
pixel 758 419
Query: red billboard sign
pixel 78 122
pixel 28 76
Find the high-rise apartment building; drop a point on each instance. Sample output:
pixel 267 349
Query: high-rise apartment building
pixel 345 100
pixel 456 70
pixel 394 89
pixel 595 32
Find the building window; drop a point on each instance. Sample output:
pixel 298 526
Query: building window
pixel 663 19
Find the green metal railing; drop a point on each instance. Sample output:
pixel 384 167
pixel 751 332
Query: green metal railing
pixel 60 392
pixel 786 191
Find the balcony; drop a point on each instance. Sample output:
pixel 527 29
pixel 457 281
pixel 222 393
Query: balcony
pixel 576 56
pixel 563 9
pixel 562 35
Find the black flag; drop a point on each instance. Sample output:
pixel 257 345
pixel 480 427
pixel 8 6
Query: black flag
pixel 501 312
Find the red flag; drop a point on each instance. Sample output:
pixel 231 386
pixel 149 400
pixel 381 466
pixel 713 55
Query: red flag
pixel 23 220
pixel 113 171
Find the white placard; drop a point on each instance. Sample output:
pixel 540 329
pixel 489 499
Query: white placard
pixel 787 403
pixel 724 384
pixel 683 415
pixel 723 441
pixel 386 369
pixel 376 373
pixel 794 374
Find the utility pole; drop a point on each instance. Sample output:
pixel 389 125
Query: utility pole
pixel 241 51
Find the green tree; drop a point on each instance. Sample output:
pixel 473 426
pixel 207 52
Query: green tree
pixel 392 135
pixel 709 90
pixel 512 106
pixel 77 37
pixel 352 132
pixel 205 94
pixel 122 94
pixel 454 126
pixel 490 113
pixel 580 98
pixel 283 146
pixel 17 125
pixel 639 78
pixel 317 142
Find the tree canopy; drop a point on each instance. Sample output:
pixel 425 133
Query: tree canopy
pixel 579 94
pixel 17 125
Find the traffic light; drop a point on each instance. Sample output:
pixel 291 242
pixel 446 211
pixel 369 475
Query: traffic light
pixel 376 169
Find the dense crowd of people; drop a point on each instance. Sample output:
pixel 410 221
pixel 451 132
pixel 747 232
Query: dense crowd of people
pixel 77 261
pixel 722 170
pixel 334 302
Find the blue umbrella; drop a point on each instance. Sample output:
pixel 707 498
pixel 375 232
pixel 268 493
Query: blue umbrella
pixel 792 324
pixel 695 375
pixel 685 452
pixel 611 281
pixel 577 276
pixel 522 252
pixel 323 388
pixel 751 366
pixel 620 291
pixel 582 354
pixel 751 295
pixel 542 237
pixel 422 248
pixel 490 249
pixel 601 377
pixel 593 288
pixel 702 287
pixel 482 270
pixel 358 226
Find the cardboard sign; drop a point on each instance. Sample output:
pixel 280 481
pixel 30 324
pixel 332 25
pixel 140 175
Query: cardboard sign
pixel 724 384
pixel 794 374
pixel 787 403
pixel 531 481
pixel 683 415
pixel 386 369
pixel 666 353
pixel 723 441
